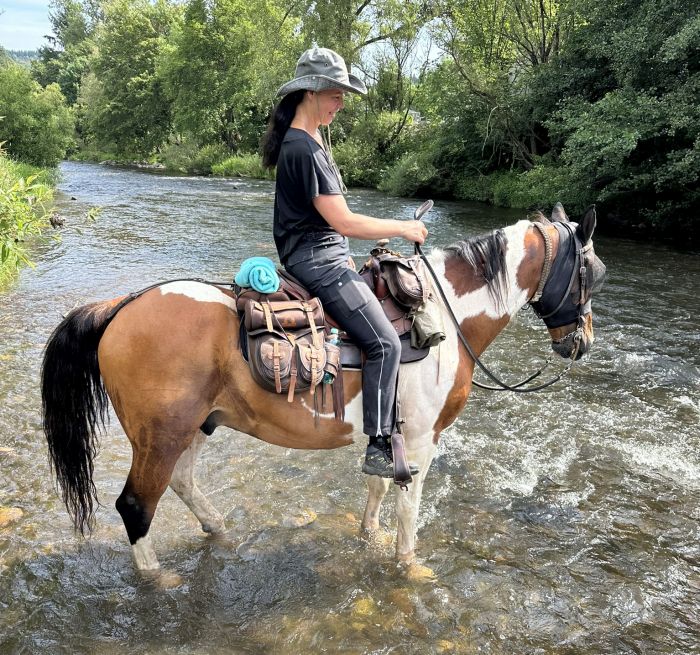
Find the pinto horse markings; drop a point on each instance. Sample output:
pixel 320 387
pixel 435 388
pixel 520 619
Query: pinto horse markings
pixel 170 364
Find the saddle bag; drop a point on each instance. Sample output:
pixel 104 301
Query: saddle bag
pixel 283 315
pixel 404 276
pixel 286 347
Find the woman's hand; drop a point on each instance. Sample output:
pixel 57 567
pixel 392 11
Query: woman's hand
pixel 415 231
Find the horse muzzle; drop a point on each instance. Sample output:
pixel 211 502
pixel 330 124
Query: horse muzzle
pixel 572 342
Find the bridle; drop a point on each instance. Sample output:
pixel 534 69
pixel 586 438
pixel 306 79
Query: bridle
pixel 555 313
pixel 564 315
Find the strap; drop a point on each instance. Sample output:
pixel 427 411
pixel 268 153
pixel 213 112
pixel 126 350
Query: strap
pixel 276 366
pixel 267 310
pixel 292 380
pixel 314 332
pixel 547 265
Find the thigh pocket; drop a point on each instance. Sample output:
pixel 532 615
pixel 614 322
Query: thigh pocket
pixel 347 294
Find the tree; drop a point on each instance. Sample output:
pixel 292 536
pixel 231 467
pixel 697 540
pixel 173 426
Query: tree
pixel 67 56
pixel 628 123
pixel 130 108
pixel 222 67
pixel 35 123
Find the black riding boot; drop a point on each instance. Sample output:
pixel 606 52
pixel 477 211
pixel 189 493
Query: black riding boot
pixel 379 459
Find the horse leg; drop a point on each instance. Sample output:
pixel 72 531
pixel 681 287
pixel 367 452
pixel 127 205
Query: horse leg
pixel 377 488
pixel 408 504
pixel 185 486
pixel 151 470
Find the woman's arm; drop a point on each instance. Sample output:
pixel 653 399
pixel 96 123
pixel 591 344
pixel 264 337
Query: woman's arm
pixel 335 211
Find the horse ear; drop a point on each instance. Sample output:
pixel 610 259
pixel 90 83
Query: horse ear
pixel 587 225
pixel 538 217
pixel 558 214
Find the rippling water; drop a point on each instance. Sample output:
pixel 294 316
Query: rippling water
pixel 559 522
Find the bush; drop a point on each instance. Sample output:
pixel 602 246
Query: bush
pixel 542 186
pixel 358 163
pixel 246 165
pixel 36 127
pixel 187 157
pixel 23 213
pixel 412 175
pixel 375 143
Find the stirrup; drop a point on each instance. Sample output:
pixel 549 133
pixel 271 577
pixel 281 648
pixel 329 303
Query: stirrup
pixel 379 461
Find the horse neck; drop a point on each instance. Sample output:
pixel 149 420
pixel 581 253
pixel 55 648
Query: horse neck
pixel 479 309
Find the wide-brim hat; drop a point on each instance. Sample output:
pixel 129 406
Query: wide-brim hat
pixel 319 69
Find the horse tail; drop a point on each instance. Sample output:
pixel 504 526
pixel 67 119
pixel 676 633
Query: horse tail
pixel 74 406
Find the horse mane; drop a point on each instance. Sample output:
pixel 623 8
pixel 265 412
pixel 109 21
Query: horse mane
pixel 486 255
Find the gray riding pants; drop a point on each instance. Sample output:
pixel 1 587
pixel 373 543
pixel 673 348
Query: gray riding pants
pixel 321 265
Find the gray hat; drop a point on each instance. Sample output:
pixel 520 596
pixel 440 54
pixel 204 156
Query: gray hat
pixel 319 69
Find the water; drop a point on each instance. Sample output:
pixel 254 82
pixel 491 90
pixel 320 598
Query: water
pixel 560 522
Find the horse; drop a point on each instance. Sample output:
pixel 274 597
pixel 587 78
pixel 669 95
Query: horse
pixel 169 361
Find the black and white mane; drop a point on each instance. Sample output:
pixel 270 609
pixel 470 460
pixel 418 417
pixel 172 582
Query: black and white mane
pixel 486 255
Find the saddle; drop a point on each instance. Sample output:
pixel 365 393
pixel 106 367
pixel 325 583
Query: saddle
pixel 286 335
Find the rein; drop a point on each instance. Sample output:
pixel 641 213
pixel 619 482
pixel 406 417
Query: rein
pixel 576 335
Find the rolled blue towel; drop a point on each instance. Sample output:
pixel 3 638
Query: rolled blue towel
pixel 259 273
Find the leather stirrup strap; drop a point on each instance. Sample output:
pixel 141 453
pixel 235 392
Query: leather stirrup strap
pixel 402 472
pixel 339 395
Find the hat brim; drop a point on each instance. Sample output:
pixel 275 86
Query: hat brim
pixel 321 83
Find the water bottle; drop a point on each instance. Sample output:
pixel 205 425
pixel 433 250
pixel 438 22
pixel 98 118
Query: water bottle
pixel 334 339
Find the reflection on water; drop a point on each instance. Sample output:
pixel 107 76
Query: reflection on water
pixel 563 522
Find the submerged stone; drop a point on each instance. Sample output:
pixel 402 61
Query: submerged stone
pixel 9 515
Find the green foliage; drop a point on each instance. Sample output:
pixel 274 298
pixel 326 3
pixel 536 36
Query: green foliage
pixel 413 174
pixel 68 56
pixel 220 66
pixel 187 157
pixel 36 125
pixel 243 165
pixel 23 213
pixel 528 103
pixel 124 102
pixel 629 136
pixel 375 142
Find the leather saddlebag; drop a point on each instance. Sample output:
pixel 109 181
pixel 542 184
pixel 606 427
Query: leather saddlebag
pixel 286 345
pixel 284 315
pixel 287 363
pixel 406 279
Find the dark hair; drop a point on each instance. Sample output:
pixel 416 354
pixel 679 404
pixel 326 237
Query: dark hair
pixel 281 119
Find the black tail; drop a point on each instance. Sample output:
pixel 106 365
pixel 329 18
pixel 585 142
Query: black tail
pixel 75 404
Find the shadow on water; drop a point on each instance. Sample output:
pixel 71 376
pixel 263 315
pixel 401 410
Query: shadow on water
pixel 561 523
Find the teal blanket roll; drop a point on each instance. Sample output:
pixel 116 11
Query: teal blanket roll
pixel 259 273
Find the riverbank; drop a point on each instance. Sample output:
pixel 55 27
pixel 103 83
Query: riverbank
pixel 537 189
pixel 184 159
pixel 26 194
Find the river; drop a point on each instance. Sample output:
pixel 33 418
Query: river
pixel 560 522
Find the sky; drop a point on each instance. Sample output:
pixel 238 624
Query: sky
pixel 23 24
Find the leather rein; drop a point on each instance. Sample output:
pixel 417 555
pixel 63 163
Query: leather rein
pixel 576 335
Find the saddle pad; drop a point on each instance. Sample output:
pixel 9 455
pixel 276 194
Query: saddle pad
pixel 351 355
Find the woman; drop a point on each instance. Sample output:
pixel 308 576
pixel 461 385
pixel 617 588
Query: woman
pixel 311 225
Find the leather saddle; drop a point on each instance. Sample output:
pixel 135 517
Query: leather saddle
pixel 350 354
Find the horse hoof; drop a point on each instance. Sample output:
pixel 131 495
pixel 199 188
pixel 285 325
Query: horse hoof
pixel 169 580
pixel 215 527
pixel 416 572
pixel 377 538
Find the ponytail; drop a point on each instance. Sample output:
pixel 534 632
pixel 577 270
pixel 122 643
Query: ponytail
pixel 281 119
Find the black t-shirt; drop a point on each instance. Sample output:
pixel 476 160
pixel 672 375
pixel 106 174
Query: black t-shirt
pixel 304 172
